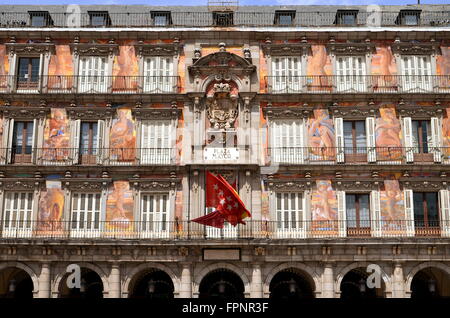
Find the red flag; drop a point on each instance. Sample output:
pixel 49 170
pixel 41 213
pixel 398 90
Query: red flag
pixel 224 198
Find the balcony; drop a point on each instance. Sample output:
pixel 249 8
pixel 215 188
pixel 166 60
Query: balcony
pixel 354 84
pixel 206 19
pixel 73 84
pixel 187 230
pixel 357 156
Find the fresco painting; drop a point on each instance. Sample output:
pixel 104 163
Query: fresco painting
pixel 321 136
pixel 319 68
pixel 123 137
pixel 119 207
pixel 388 135
pixel 446 134
pixel 385 67
pixel 50 208
pixel 126 68
pixel 324 205
pixel 56 136
pixel 392 206
pixel 443 62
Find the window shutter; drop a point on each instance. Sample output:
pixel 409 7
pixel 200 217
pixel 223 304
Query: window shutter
pixel 409 212
pixel 375 213
pixel 34 140
pixel 5 145
pixel 436 139
pixel 10 140
pixel 342 218
pixel 75 140
pixel 370 135
pixel 339 127
pixel 407 133
pixel 444 196
pixel 100 141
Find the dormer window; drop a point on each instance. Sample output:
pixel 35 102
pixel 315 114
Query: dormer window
pixel 284 17
pixel 346 17
pixel 161 18
pixel 223 18
pixel 408 17
pixel 40 18
pixel 99 18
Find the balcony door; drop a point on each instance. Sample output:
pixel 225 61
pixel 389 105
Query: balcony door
pixel 158 75
pixel 287 141
pixel 358 214
pixel 93 74
pixel 22 142
pixel 28 73
pixel 416 73
pixel 286 74
pixel 17 214
pixel 355 141
pixel 155 215
pixel 85 221
pixel 426 213
pixel 156 142
pixel 351 73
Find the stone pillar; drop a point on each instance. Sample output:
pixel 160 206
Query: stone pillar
pixel 398 282
pixel 328 281
pixel 256 290
pixel 44 281
pixel 186 281
pixel 114 281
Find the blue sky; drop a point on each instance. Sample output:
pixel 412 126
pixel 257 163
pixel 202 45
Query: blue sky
pixel 241 2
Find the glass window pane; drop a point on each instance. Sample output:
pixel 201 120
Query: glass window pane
pixel 360 128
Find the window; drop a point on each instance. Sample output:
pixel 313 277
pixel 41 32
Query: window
pixel 17 215
pixel 161 18
pixel 155 213
pixel 416 73
pixel 89 142
pixel 421 136
pixel 156 142
pixel 287 141
pixel 28 73
pixel 358 214
pixel 99 18
pixel 22 142
pixel 286 73
pixel 426 211
pixel 355 139
pixel 351 71
pixel 408 17
pixel 223 18
pixel 40 18
pixel 289 211
pixel 85 213
pixel 93 74
pixel 346 17
pixel 158 74
pixel 284 17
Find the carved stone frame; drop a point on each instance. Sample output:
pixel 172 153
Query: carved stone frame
pixel 407 48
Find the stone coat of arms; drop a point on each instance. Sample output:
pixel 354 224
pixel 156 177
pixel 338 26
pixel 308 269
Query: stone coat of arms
pixel 222 107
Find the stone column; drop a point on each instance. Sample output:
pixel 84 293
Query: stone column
pixel 256 290
pixel 44 281
pixel 114 281
pixel 398 282
pixel 328 281
pixel 186 281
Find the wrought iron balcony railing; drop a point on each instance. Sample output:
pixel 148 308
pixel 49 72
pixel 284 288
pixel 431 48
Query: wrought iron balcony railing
pixel 342 84
pixel 89 84
pixel 187 230
pixel 231 19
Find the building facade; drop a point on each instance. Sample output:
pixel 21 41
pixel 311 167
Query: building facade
pixel 332 124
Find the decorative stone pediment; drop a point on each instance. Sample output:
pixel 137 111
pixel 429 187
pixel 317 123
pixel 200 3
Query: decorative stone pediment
pixel 357 184
pixel 415 48
pixel 85 184
pixel 155 184
pixel 286 49
pixel 287 112
pixel 290 185
pixel 157 113
pixel 107 49
pixel 18 184
pixel 351 48
pixel 24 112
pixel 425 185
pixel 30 48
pixel 420 112
pixel 85 113
pixel 163 49
pixel 353 113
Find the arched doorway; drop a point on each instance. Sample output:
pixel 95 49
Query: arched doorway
pixel 430 282
pixel 15 283
pixel 354 285
pixel 290 284
pixel 153 284
pixel 222 284
pixel 91 286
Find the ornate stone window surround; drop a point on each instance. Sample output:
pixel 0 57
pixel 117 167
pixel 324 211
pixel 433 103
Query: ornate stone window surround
pixel 408 48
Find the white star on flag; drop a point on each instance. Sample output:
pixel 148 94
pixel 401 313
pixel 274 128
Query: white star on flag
pixel 222 201
pixel 216 186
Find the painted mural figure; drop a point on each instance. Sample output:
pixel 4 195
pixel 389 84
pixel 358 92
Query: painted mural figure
pixel 122 137
pixel 386 68
pixel 119 206
pixel 321 135
pixel 317 68
pixel 392 208
pixel 387 132
pixel 446 134
pixel 56 141
pixel 324 205
pixel 51 206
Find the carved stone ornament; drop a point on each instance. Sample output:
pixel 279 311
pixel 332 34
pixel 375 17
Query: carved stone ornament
pixel 83 184
pixel 90 114
pixel 94 49
pixel 351 48
pixel 171 49
pixel 420 112
pixel 291 185
pixel 286 49
pixel 159 113
pixel 30 48
pixel 357 185
pixel 222 107
pixel 417 184
pixel 26 184
pixel 288 112
pixel 415 48
pixel 24 112
pixel 353 113
pixel 155 184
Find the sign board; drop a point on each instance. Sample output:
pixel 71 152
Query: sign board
pixel 221 154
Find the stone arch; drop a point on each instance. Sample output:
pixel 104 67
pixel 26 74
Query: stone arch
pixel 28 270
pixel 97 269
pixel 201 273
pixel 311 275
pixel 409 278
pixel 142 267
pixel 340 276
